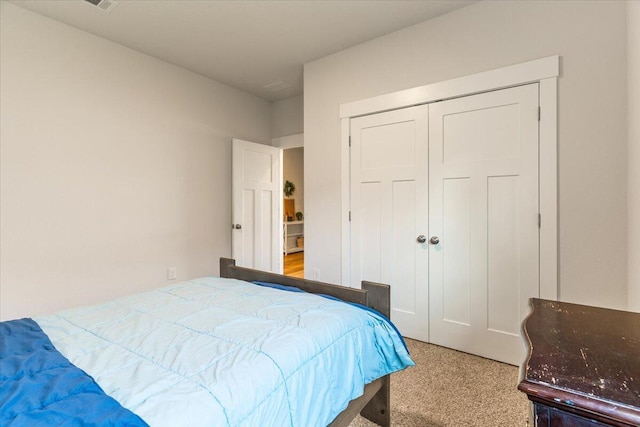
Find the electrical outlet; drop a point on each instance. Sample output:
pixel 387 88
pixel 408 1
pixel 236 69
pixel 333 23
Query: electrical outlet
pixel 171 273
pixel 315 274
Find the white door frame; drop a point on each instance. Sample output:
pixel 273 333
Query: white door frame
pixel 285 143
pixel 290 141
pixel 544 71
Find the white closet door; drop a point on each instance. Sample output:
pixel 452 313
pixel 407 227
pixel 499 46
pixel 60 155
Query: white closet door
pixel 389 211
pixel 256 239
pixel 483 208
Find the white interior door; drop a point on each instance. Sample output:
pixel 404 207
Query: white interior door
pixel 483 208
pixel 256 240
pixel 389 211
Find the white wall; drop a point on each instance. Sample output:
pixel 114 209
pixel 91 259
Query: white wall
pixel 114 166
pixel 633 99
pixel 287 116
pixel 590 37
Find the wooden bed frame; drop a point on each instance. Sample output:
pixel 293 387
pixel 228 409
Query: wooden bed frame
pixel 374 404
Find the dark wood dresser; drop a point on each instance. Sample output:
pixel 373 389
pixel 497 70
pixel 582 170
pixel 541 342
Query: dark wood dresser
pixel 583 365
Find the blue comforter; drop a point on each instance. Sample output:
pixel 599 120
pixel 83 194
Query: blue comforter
pixel 222 352
pixel 40 387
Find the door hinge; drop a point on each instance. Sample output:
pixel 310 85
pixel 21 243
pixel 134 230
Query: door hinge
pixel 349 140
pixel 349 215
pixel 539 221
pixel 539 113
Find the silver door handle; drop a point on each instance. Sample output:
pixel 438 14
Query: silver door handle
pixel 421 238
pixel 434 240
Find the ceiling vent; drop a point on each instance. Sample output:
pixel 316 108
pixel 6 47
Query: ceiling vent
pixel 105 5
pixel 279 85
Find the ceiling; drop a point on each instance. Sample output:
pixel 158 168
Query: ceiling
pixel 244 44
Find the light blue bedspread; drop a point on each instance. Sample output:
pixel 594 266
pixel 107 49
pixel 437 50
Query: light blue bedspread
pixel 222 352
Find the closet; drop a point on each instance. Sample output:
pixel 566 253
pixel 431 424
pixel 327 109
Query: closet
pixel 444 205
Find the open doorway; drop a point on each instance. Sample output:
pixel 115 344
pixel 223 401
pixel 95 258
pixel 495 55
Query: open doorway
pixel 293 211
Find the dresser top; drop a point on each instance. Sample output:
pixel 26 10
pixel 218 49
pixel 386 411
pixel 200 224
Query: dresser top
pixel 583 357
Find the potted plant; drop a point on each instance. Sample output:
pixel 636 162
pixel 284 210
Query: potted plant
pixel 299 216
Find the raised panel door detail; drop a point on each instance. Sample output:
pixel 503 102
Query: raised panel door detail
pixel 502 254
pixel 455 235
pixel 388 146
pixel 248 226
pixel 464 128
pixel 258 167
pixel 371 243
pixel 263 257
pixel 403 225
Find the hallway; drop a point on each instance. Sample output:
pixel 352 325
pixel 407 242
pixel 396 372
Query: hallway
pixel 294 264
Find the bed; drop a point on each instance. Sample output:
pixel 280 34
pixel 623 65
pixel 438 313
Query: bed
pixel 248 348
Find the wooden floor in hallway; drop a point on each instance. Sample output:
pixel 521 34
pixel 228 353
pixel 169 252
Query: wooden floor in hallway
pixel 294 264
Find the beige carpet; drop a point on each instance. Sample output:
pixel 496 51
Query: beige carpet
pixel 450 388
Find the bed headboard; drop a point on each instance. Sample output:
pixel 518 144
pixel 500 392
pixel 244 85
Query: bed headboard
pixel 374 295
